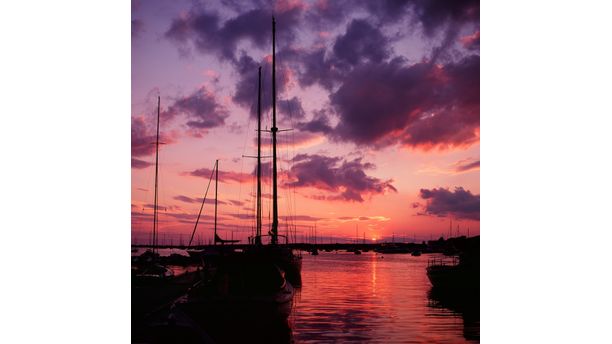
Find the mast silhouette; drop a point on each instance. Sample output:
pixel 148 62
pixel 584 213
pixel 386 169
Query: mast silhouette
pixel 156 173
pixel 258 234
pixel 274 129
pixel 216 184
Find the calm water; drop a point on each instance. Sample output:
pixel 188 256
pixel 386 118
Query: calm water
pixel 372 298
pixel 366 298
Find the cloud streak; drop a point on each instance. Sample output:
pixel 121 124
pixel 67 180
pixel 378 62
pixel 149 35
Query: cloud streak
pixel 224 176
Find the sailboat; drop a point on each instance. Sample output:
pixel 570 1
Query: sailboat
pixel 283 256
pixel 258 280
pixel 198 253
pixel 149 267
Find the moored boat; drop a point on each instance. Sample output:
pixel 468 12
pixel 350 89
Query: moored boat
pixel 258 280
pixel 457 274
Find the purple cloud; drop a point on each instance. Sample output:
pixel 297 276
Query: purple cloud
pixel 224 176
pixel 435 14
pixel 346 180
pixel 467 165
pixel 361 42
pixel 245 94
pixel 143 140
pixel 206 31
pixel 137 26
pixel 186 199
pixel 201 110
pixel 460 203
pixel 139 164
pixel 421 105
pixel 291 109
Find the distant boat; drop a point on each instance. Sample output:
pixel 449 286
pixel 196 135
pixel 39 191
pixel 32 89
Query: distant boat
pixel 357 251
pixel 415 253
pixel 391 249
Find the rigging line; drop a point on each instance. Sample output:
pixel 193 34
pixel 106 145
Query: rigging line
pixel 244 147
pixel 291 121
pixel 201 207
pixel 289 211
pixel 155 223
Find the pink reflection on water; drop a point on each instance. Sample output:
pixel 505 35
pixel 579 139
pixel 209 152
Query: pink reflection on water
pixel 371 298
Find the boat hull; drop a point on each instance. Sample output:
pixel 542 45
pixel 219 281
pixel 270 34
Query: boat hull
pixel 451 278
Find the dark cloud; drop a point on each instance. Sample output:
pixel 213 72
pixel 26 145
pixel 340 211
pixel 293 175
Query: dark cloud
pixel 206 31
pixel 378 98
pixel 137 26
pixel 347 180
pixel 466 165
pixel 434 14
pixel 224 176
pixel 420 105
pixel 246 87
pixel 361 42
pixel 143 139
pixel 319 124
pixel 430 14
pixel 201 110
pixel 291 108
pixel 326 14
pixel 366 40
pixel 460 203
pixel 138 164
pixel 317 68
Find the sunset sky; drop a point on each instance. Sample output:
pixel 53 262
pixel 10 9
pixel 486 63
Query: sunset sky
pixel 383 98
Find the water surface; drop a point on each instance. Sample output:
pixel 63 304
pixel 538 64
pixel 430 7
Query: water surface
pixel 376 299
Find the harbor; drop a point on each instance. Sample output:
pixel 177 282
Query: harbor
pixel 372 297
pixel 253 279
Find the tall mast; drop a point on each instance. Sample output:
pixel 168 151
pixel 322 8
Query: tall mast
pixel 156 172
pixel 258 234
pixel 216 184
pixel 274 129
